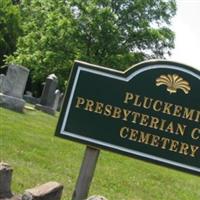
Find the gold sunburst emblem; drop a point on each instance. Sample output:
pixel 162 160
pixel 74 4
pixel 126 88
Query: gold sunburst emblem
pixel 173 83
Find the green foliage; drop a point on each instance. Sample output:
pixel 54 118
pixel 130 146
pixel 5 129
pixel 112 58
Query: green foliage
pixel 112 33
pixel 120 33
pixel 9 28
pixel 47 43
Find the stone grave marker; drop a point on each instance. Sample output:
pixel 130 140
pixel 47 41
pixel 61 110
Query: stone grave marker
pixel 28 97
pixel 60 102
pixel 48 191
pixel 2 78
pixel 5 180
pixel 56 101
pixel 48 95
pixel 12 87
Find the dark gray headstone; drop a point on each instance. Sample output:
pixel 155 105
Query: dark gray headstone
pixel 48 93
pixel 12 103
pixel 28 97
pixel 5 180
pixel 47 100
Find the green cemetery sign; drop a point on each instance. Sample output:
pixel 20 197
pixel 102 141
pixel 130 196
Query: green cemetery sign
pixel 151 112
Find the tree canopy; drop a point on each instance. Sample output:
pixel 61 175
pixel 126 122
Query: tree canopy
pixel 9 28
pixel 120 33
pixel 112 33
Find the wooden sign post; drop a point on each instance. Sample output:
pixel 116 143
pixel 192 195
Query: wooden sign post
pixel 150 112
pixel 86 173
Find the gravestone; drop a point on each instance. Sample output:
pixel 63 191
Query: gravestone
pixel 48 191
pixel 5 180
pixel 28 97
pixel 12 87
pixel 60 102
pixel 2 78
pixel 56 101
pixel 48 95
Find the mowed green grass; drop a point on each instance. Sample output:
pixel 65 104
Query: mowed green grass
pixel 28 144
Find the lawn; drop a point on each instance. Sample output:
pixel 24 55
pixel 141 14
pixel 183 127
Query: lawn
pixel 28 144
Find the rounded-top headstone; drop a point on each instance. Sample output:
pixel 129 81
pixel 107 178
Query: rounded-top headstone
pixel 48 93
pixel 52 76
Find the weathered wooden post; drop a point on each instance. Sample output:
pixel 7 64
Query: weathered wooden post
pixel 86 173
pixel 5 180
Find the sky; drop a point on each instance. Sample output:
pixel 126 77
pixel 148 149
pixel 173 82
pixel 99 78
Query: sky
pixel 186 25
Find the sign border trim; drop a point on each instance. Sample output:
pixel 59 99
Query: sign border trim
pixel 119 76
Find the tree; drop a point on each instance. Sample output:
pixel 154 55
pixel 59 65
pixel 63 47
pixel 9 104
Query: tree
pixel 9 28
pixel 46 45
pixel 120 33
pixel 113 33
